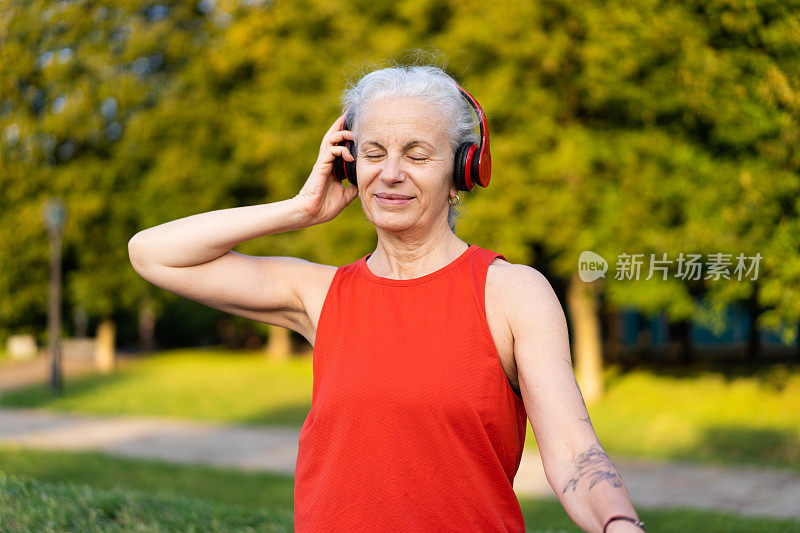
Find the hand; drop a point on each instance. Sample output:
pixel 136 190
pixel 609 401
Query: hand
pixel 323 196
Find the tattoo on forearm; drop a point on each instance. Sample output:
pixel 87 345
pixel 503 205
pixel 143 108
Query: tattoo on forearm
pixel 595 464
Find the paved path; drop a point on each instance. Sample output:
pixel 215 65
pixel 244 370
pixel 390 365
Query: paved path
pixel 748 491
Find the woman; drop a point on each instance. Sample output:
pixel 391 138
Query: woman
pixel 429 353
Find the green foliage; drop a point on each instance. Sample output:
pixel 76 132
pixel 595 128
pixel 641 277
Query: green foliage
pixel 618 127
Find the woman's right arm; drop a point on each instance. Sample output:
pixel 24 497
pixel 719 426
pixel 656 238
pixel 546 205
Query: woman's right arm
pixel 193 257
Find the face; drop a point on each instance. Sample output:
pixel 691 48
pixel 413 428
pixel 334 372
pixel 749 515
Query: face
pixel 403 150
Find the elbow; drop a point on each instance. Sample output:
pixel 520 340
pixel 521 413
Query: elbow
pixel 136 253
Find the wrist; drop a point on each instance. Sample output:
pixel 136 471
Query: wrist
pixel 623 525
pixel 304 218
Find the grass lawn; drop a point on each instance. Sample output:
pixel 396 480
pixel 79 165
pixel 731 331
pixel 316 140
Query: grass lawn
pixel 220 385
pixel 84 491
pixel 739 416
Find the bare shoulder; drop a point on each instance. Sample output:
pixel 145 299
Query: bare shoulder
pixel 508 278
pixel 520 291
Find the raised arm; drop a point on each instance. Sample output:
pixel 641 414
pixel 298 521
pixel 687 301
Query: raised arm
pixel 193 256
pixel 577 467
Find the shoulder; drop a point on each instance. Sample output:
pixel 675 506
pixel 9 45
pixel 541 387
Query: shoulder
pixel 521 292
pixel 314 279
pixel 510 278
pixel 311 282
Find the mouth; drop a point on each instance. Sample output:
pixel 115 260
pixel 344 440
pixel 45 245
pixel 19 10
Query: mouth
pixel 393 199
pixel 394 196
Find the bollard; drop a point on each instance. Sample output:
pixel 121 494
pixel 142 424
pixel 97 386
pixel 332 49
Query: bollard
pixel 104 359
pixel 279 345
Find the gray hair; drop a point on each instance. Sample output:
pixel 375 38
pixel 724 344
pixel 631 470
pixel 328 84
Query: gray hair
pixel 429 83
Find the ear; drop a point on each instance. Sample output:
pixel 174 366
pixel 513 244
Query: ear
pixel 453 188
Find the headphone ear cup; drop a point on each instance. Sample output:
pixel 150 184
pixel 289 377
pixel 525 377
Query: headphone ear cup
pixel 338 168
pixel 459 168
pixel 462 167
pixel 350 166
pixel 342 169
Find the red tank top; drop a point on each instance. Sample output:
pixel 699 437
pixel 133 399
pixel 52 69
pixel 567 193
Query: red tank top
pixel 414 425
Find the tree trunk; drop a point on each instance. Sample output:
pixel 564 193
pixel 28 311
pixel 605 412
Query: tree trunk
pixel 279 344
pixel 587 338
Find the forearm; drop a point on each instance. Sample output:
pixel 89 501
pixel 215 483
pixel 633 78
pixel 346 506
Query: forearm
pixel 200 238
pixel 594 492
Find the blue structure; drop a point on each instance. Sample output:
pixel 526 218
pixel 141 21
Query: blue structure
pixel 736 333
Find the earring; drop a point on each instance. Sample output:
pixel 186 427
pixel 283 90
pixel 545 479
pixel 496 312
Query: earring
pixel 457 200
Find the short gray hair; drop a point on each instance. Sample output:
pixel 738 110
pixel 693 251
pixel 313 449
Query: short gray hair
pixel 425 82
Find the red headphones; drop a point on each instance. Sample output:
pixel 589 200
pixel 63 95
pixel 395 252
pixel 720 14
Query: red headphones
pixel 472 165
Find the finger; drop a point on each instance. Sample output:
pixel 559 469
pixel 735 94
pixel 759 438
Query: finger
pixel 337 124
pixel 334 133
pixel 334 152
pixel 346 154
pixel 341 135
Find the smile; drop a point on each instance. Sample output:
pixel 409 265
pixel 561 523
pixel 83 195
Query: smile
pixel 394 201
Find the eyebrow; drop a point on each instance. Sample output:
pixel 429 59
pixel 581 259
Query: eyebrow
pixel 406 146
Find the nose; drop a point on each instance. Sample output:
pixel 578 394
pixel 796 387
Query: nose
pixel 392 169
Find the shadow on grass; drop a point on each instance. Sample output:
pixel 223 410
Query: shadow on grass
pixel 546 515
pixel 772 375
pixel 734 445
pixel 291 415
pixel 40 396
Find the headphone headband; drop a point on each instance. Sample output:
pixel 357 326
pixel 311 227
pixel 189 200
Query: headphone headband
pixel 478 165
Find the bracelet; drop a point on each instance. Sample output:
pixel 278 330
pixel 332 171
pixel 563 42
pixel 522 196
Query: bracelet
pixel 628 518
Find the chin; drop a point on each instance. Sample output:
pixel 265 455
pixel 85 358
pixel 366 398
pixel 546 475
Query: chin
pixel 394 223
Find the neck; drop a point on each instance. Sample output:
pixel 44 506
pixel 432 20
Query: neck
pixel 397 258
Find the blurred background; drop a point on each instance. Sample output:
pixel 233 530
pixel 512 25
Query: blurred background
pixel 645 127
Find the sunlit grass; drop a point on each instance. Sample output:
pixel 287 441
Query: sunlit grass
pixel 703 415
pixel 692 415
pixel 217 385
pixel 58 491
